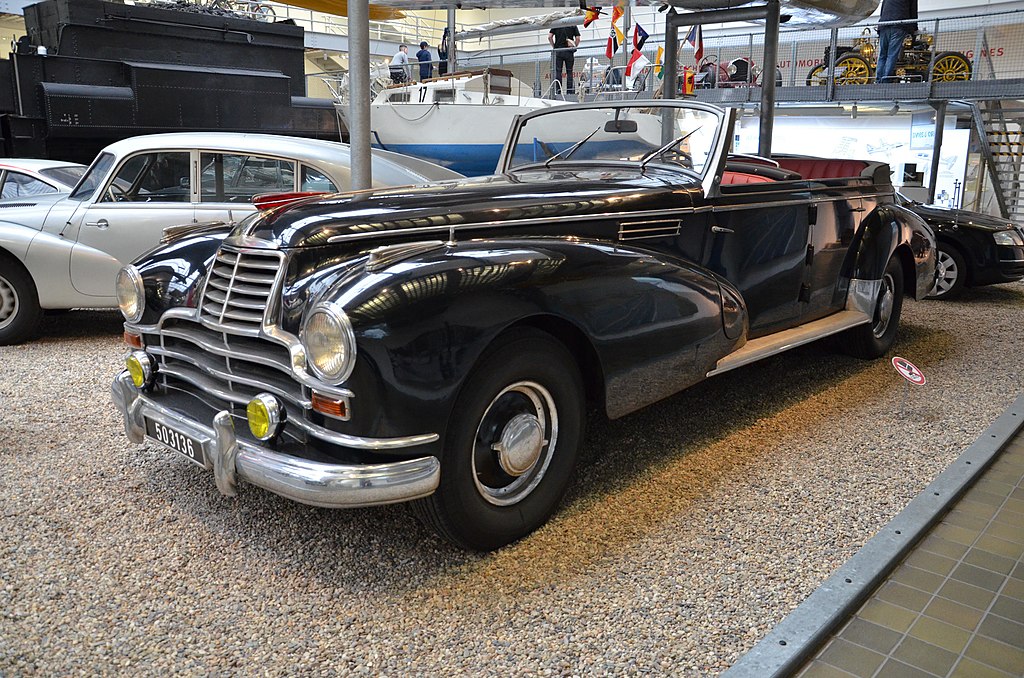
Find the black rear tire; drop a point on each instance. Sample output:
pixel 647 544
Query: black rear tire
pixel 511 446
pixel 874 339
pixel 20 314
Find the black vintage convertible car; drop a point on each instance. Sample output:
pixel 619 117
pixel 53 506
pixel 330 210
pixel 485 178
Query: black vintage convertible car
pixel 441 343
pixel 971 249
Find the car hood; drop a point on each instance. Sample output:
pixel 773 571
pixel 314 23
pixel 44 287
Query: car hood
pixel 430 212
pixel 947 216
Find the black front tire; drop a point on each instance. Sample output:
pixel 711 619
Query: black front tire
pixel 874 339
pixel 511 445
pixel 952 272
pixel 20 314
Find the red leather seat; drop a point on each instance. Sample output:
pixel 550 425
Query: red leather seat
pixel 823 168
pixel 733 178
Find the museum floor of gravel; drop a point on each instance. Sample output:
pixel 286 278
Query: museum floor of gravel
pixel 692 528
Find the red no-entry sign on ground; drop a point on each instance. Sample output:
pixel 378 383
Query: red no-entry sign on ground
pixel 908 371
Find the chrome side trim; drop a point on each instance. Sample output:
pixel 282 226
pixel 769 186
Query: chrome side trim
pixel 863 295
pixel 675 212
pixel 301 480
pixel 757 349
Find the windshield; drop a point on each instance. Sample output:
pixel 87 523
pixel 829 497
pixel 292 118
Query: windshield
pixel 642 134
pixel 93 177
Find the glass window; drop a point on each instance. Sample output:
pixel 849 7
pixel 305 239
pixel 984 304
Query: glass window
pixel 18 185
pixel 151 177
pixel 94 176
pixel 67 175
pixel 315 180
pixel 232 177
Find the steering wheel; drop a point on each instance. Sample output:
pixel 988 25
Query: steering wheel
pixel 116 193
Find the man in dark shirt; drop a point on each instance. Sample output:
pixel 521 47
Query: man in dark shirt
pixel 564 42
pixel 891 35
pixel 423 56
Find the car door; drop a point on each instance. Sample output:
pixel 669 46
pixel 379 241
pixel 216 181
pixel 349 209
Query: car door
pixel 762 249
pixel 228 182
pixel 148 192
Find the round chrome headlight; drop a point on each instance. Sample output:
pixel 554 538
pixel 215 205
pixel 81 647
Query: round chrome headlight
pixel 330 343
pixel 131 295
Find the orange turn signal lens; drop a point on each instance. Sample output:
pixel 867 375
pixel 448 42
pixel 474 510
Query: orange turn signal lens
pixel 332 407
pixel 133 340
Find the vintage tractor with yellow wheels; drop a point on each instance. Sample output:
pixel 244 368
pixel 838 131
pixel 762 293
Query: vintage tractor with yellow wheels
pixel 855 65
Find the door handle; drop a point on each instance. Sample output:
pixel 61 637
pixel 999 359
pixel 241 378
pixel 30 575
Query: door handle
pixel 102 224
pixel 721 229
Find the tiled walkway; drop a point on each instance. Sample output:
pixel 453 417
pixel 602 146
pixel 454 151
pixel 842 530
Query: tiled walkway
pixel 955 605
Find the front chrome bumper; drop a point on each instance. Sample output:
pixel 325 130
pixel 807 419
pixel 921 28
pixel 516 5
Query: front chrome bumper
pixel 301 480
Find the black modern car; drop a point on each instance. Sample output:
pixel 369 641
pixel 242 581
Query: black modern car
pixel 972 249
pixel 440 344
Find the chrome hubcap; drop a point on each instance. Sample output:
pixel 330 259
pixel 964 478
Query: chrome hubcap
pixel 521 443
pixel 885 301
pixel 948 272
pixel 514 444
pixel 8 303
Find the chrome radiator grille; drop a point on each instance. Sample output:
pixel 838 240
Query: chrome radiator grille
pixel 239 289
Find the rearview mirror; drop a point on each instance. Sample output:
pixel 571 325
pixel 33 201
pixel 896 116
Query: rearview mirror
pixel 620 126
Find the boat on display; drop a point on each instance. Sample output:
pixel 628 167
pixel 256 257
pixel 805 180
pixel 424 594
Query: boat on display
pixel 458 121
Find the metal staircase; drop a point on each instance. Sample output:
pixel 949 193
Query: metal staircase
pixel 999 123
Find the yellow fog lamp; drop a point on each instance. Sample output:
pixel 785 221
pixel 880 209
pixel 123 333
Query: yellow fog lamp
pixel 141 368
pixel 265 416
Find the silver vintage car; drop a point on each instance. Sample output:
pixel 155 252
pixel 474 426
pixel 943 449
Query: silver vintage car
pixel 63 250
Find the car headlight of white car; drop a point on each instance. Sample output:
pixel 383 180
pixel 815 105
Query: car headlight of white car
pixel 330 342
pixel 131 295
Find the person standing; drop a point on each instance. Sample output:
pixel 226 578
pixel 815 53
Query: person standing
pixel 564 42
pixel 891 35
pixel 426 65
pixel 400 69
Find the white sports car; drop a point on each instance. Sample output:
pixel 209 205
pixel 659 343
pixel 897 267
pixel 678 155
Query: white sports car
pixel 63 250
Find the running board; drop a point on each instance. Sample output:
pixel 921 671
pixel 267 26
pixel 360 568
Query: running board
pixel 757 349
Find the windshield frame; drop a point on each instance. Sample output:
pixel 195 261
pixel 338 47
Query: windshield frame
pixel 81 192
pixel 711 169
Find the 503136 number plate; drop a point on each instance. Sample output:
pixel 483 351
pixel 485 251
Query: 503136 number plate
pixel 177 441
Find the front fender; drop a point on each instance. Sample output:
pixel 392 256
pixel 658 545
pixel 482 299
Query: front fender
pixel 654 326
pixel 887 229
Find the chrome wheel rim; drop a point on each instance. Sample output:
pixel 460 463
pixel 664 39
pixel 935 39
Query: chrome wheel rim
pixel 948 273
pixel 8 303
pixel 883 309
pixel 514 443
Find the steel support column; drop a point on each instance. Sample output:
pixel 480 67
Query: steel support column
pixel 771 58
pixel 940 123
pixel 359 93
pixel 770 14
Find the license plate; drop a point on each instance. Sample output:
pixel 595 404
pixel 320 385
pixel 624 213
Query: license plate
pixel 177 441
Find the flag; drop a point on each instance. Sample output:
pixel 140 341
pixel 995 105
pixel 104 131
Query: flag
pixel 696 38
pixel 637 62
pixel 639 37
pixel 657 62
pixel 591 15
pixel 616 37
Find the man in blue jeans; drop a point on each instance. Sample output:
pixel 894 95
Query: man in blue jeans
pixel 890 36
